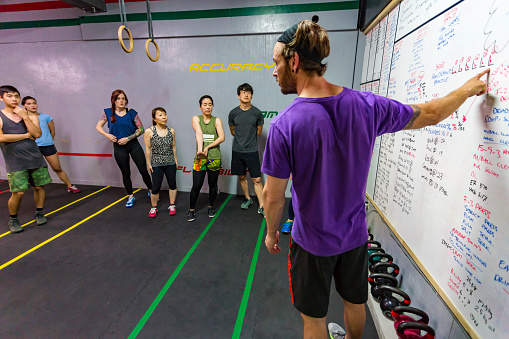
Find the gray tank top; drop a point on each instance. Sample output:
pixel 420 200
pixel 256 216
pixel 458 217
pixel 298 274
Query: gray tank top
pixel 19 155
pixel 161 149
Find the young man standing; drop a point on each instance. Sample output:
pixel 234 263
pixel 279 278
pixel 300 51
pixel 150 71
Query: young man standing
pixel 24 162
pixel 246 123
pixel 325 139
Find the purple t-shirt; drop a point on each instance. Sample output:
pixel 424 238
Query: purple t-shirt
pixel 326 144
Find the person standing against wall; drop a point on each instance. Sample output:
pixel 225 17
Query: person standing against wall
pixel 329 172
pixel 46 142
pixel 246 124
pixel 209 134
pixel 161 156
pixel 24 163
pixel 125 127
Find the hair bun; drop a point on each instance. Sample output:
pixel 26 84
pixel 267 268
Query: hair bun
pixel 315 19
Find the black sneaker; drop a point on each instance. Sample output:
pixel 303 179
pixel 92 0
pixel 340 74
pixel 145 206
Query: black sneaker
pixel 211 212
pixel 40 219
pixel 14 226
pixel 191 215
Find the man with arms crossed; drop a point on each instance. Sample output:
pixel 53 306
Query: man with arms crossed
pixel 24 162
pixel 246 123
pixel 325 139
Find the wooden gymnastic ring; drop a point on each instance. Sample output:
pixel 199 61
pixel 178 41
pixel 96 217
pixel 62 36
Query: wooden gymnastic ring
pixel 120 29
pixel 148 53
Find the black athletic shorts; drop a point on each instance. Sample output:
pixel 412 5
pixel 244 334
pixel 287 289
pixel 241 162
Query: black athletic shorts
pixel 242 160
pixel 311 277
pixel 48 150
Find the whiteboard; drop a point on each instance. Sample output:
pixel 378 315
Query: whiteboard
pixel 445 188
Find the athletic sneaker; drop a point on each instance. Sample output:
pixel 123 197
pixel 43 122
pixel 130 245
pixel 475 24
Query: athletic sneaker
pixel 287 227
pixel 173 209
pixel 191 215
pixel 130 202
pixel 40 219
pixel 336 331
pixel 261 211
pixel 153 212
pixel 245 205
pixel 73 189
pixel 14 226
pixel 211 212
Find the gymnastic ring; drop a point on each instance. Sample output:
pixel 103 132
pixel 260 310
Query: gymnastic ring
pixel 148 53
pixel 120 29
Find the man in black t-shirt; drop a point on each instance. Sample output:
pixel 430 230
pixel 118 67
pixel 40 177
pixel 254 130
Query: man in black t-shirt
pixel 246 123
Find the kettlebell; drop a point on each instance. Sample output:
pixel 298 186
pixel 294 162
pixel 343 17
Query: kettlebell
pixel 389 301
pixel 378 279
pixel 385 267
pixel 370 236
pixel 399 317
pixel 404 327
pixel 377 256
pixel 374 243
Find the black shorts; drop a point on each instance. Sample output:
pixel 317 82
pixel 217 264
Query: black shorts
pixel 311 277
pixel 242 160
pixel 48 150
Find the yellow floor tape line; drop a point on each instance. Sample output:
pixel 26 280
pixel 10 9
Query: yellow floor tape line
pixel 61 208
pixel 62 233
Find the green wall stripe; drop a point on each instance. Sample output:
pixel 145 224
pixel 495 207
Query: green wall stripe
pixel 186 15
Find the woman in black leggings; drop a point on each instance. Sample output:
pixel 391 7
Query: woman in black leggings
pixel 125 127
pixel 209 134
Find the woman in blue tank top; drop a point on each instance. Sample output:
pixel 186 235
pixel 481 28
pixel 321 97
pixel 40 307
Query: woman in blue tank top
pixel 125 127
pixel 46 142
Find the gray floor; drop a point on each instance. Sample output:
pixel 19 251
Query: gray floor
pixel 99 279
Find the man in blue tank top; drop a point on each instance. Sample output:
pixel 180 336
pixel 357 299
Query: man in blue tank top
pixel 24 162
pixel 325 139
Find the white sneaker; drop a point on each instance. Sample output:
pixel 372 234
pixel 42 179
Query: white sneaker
pixel 336 331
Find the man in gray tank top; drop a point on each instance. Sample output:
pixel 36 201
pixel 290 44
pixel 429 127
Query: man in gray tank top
pixel 24 162
pixel 246 124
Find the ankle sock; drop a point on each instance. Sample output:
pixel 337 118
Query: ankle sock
pixel 13 216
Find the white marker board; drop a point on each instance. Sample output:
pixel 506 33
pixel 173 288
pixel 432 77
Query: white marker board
pixel 445 189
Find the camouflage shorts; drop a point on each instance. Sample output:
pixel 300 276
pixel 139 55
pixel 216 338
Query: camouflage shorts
pixel 207 164
pixel 19 180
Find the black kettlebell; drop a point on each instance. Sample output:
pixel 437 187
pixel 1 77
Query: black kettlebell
pixel 370 236
pixel 378 279
pixel 385 267
pixel 413 326
pixel 374 243
pixel 378 256
pixel 389 301
pixel 400 315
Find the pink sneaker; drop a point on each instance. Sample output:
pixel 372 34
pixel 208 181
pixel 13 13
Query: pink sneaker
pixel 153 212
pixel 73 189
pixel 173 209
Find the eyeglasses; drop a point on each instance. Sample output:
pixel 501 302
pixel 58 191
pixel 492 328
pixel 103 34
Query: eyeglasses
pixel 245 92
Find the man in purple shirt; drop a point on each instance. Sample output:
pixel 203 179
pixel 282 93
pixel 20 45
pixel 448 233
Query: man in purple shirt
pixel 325 140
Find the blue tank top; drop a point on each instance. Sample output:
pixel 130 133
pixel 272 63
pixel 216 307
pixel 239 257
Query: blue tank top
pixel 124 126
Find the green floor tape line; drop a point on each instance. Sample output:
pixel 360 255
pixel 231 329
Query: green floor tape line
pixel 249 284
pixel 170 281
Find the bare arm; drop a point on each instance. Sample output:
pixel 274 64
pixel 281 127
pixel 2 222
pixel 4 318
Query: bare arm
pixel 232 130
pixel 14 137
pixel 31 122
pixel 148 149
pixel 139 131
pixel 51 126
pixel 174 147
pixel 434 111
pixel 220 134
pixel 100 128
pixel 259 130
pixel 274 202
pixel 199 133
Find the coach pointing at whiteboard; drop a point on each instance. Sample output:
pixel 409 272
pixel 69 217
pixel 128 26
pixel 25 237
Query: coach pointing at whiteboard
pixel 336 128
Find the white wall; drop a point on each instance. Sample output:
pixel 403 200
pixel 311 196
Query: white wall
pixel 73 80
